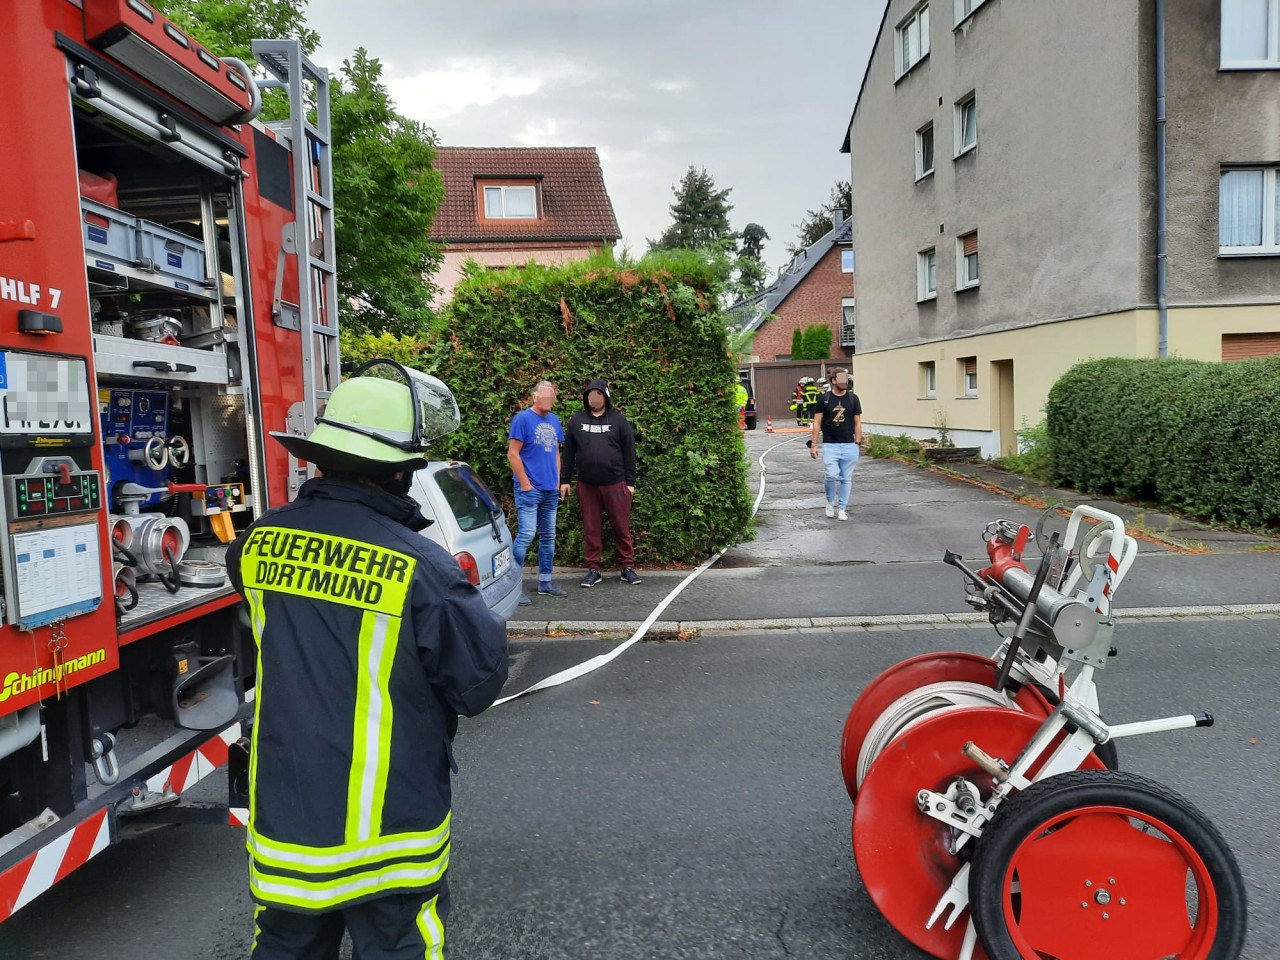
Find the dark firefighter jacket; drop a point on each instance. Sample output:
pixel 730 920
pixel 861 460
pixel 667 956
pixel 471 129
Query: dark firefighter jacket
pixel 371 642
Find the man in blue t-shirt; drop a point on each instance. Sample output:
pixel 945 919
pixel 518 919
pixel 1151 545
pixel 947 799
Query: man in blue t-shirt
pixel 533 450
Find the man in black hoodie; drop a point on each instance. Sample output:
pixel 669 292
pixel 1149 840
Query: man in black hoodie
pixel 601 449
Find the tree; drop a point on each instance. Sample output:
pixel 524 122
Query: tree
pixel 818 223
pixel 227 27
pixel 700 214
pixel 750 264
pixel 385 198
pixel 753 237
pixel 811 343
pixel 740 343
pixel 385 190
pixel 817 342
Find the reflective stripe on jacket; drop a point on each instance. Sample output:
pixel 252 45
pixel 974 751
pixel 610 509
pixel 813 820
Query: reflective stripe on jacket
pixel 370 643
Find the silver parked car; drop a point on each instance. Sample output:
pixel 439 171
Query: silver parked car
pixel 469 523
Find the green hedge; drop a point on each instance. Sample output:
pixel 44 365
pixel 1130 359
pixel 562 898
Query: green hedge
pixel 412 351
pixel 655 331
pixel 1202 438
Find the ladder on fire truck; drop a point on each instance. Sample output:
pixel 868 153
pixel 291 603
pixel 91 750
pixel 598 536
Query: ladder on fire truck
pixel 310 238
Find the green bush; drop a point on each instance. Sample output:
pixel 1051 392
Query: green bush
pixel 412 351
pixel 817 342
pixel 797 344
pixel 1032 458
pixel 655 331
pixel 884 447
pixel 1190 435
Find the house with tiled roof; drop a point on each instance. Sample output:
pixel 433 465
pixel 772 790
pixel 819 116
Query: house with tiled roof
pixel 506 206
pixel 815 288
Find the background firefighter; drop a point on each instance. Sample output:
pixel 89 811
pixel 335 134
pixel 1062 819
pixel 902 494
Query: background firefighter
pixel 371 642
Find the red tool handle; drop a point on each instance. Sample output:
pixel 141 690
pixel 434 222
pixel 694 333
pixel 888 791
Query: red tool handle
pixel 188 487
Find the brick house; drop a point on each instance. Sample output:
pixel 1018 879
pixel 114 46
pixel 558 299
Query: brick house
pixel 816 287
pixel 506 206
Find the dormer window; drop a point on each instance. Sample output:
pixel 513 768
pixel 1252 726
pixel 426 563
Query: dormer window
pixel 510 201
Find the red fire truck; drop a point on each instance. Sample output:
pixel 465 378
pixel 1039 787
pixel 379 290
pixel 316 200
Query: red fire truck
pixel 167 298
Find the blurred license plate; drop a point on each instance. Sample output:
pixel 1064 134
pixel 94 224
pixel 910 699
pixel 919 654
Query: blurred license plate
pixel 502 561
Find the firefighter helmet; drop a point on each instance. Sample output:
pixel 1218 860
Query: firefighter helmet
pixel 379 420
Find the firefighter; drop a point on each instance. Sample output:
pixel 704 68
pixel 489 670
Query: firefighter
pixel 811 393
pixel 799 403
pixel 371 643
pixel 740 398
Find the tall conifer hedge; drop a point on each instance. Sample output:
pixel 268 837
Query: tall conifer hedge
pixel 654 330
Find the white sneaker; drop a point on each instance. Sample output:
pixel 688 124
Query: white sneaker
pixel 831 511
pixel 841 515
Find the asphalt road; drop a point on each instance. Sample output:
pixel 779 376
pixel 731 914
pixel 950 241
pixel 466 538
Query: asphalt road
pixel 685 802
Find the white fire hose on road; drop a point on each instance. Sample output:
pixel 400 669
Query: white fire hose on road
pixel 595 663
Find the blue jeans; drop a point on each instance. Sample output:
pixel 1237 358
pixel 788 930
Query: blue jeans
pixel 536 515
pixel 839 459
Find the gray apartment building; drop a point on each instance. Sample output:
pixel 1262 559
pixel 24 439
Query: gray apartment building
pixel 1006 160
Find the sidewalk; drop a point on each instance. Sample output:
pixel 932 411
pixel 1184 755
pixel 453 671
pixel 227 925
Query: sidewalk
pixel 1166 526
pixel 882 568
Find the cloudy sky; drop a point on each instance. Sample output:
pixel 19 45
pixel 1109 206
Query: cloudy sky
pixel 757 91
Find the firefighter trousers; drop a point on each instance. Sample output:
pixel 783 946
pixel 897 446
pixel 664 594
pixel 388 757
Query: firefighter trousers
pixel 398 926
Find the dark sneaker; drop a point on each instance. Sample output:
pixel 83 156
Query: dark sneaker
pixel 524 600
pixel 550 590
pixel 630 576
pixel 592 578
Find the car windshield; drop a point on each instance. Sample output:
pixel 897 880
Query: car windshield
pixel 469 499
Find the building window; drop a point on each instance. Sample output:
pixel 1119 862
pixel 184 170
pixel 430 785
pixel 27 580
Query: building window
pixel 1248 211
pixel 924 151
pixel 968 367
pixel 846 260
pixel 929 380
pixel 967 261
pixel 966 124
pixel 927 275
pixel 848 310
pixel 1251 34
pixel 966 7
pixel 912 36
pixel 511 202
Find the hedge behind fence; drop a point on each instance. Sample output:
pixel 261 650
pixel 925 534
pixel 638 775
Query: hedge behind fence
pixel 1202 438
pixel 654 330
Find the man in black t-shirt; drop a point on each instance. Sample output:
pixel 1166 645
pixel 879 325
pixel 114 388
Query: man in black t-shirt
pixel 837 428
